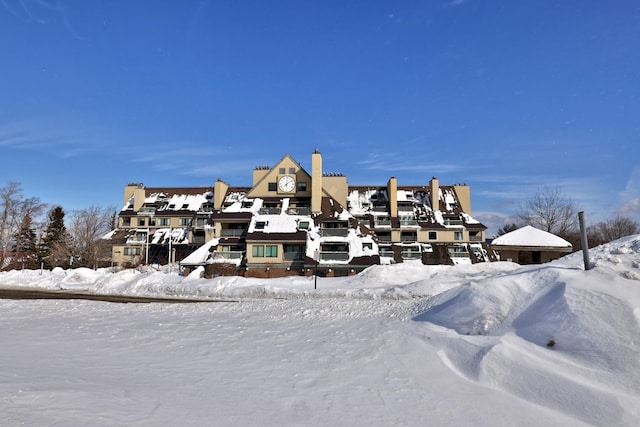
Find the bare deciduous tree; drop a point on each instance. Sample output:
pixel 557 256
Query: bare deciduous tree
pixel 13 209
pixel 605 232
pixel 550 210
pixel 88 226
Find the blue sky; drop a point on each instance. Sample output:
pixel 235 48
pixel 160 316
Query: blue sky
pixel 507 96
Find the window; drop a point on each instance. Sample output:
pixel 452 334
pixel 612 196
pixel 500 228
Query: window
pixel 164 222
pixel 152 222
pixel 433 235
pixel 131 251
pixel 292 171
pixel 184 222
pixel 457 235
pixel 185 206
pixel 302 186
pixel 126 222
pixel 282 171
pixel 141 222
pixel 258 250
pixel 303 225
pixel 273 186
pixel 367 245
pixel 271 251
pixel 260 225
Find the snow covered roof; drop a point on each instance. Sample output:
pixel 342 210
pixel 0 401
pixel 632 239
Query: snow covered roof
pixel 200 255
pixel 531 236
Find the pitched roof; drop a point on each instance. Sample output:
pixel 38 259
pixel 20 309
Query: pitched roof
pixel 530 236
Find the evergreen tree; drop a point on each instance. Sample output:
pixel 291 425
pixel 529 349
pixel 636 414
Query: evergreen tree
pixel 26 243
pixel 507 228
pixel 54 248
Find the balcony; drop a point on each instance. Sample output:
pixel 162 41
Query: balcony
pixel 448 221
pixel 306 211
pixel 384 238
pixel 382 222
pixel 475 238
pixel 200 222
pixel 458 252
pixel 408 222
pixel 270 211
pixel 233 232
pixel 334 232
pixel 227 255
pixel 147 210
pixel 405 208
pixel 408 237
pixel 411 253
pixel 334 256
pixel 293 256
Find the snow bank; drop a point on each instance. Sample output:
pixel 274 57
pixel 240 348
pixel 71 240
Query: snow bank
pixel 483 344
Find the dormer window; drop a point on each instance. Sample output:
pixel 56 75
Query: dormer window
pixel 172 206
pixel 185 206
pixel 260 225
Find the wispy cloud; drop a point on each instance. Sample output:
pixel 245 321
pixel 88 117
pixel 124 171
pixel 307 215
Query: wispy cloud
pixel 62 137
pixel 630 197
pixel 41 12
pixel 394 164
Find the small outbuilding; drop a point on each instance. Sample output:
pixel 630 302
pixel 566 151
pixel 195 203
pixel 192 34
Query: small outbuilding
pixel 529 245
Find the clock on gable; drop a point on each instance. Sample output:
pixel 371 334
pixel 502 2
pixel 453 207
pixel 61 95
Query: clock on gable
pixel 286 184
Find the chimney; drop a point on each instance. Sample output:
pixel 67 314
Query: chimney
pixel 434 190
pixel 219 192
pixel 135 190
pixel 392 192
pixel 316 181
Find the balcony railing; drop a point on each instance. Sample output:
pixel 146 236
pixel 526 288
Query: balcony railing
pixel 458 253
pixel 405 208
pixel 411 254
pixel 230 255
pixel 146 210
pixel 334 232
pixel 299 211
pixel 293 256
pixel 475 238
pixel 233 232
pixel 334 256
pixel 408 238
pixel 384 238
pixel 382 222
pixel 408 222
pixel 453 222
pixel 200 223
pixel 270 211
pixel 386 254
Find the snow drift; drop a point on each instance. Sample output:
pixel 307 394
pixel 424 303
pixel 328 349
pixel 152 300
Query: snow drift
pixel 483 344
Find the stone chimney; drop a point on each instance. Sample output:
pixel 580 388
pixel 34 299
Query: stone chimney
pixel 434 191
pixel 316 181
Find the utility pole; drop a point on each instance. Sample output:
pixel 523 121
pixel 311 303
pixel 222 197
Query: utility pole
pixel 583 240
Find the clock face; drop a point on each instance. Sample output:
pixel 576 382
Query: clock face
pixel 286 184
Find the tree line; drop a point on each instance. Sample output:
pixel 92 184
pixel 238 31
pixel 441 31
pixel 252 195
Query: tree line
pixel 33 234
pixel 549 209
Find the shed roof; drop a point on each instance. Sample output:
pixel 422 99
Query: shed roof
pixel 531 236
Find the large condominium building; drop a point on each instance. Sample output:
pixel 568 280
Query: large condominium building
pixel 291 221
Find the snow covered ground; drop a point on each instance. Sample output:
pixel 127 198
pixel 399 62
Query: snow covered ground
pixel 396 345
